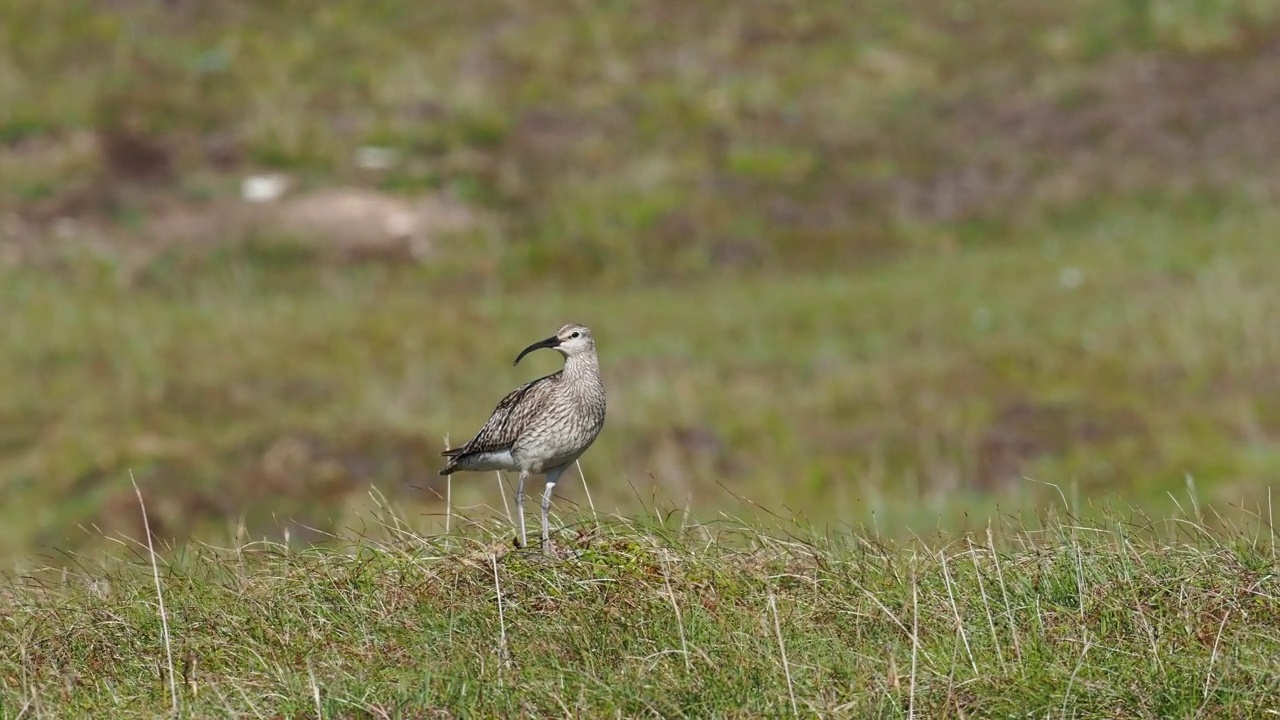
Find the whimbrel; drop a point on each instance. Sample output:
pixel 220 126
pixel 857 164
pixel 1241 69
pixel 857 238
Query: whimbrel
pixel 541 427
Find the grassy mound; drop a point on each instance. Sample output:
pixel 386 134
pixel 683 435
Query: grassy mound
pixel 1122 618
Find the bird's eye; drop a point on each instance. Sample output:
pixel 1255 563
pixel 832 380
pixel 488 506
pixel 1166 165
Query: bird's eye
pixel 575 334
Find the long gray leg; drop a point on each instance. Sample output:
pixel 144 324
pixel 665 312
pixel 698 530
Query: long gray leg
pixel 553 476
pixel 524 541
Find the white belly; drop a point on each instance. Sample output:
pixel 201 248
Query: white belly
pixel 500 460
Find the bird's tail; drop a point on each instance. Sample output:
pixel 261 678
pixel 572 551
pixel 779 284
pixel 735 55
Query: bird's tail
pixel 452 465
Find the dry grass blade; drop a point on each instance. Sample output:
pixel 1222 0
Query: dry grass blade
pixel 782 651
pixel 164 616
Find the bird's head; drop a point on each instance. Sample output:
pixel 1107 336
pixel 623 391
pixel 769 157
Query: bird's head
pixel 570 340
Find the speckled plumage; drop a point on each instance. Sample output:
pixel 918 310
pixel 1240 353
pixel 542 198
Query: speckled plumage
pixel 543 426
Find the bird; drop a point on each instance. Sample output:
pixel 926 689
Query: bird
pixel 543 426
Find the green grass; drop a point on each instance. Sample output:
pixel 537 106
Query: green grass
pixel 1121 618
pixel 875 276
pixel 1114 358
pixel 639 140
pixel 886 261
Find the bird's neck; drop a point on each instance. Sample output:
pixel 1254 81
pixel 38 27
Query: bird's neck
pixel 582 368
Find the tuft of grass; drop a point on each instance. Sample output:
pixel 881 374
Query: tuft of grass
pixel 1125 617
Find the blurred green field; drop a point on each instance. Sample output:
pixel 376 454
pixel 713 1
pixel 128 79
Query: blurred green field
pixel 900 265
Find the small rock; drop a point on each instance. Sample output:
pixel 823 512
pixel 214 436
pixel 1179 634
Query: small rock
pixel 263 188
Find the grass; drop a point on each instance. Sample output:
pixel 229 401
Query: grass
pixel 1126 617
pixel 921 391
pixel 646 141
pixel 875 276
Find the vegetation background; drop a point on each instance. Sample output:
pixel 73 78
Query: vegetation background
pixel 888 267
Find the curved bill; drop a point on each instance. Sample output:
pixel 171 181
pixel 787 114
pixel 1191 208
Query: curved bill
pixel 548 343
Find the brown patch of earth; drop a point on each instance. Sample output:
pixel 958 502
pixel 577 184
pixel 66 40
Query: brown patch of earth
pixel 295 480
pixel 1025 430
pixel 341 224
pixel 1150 123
